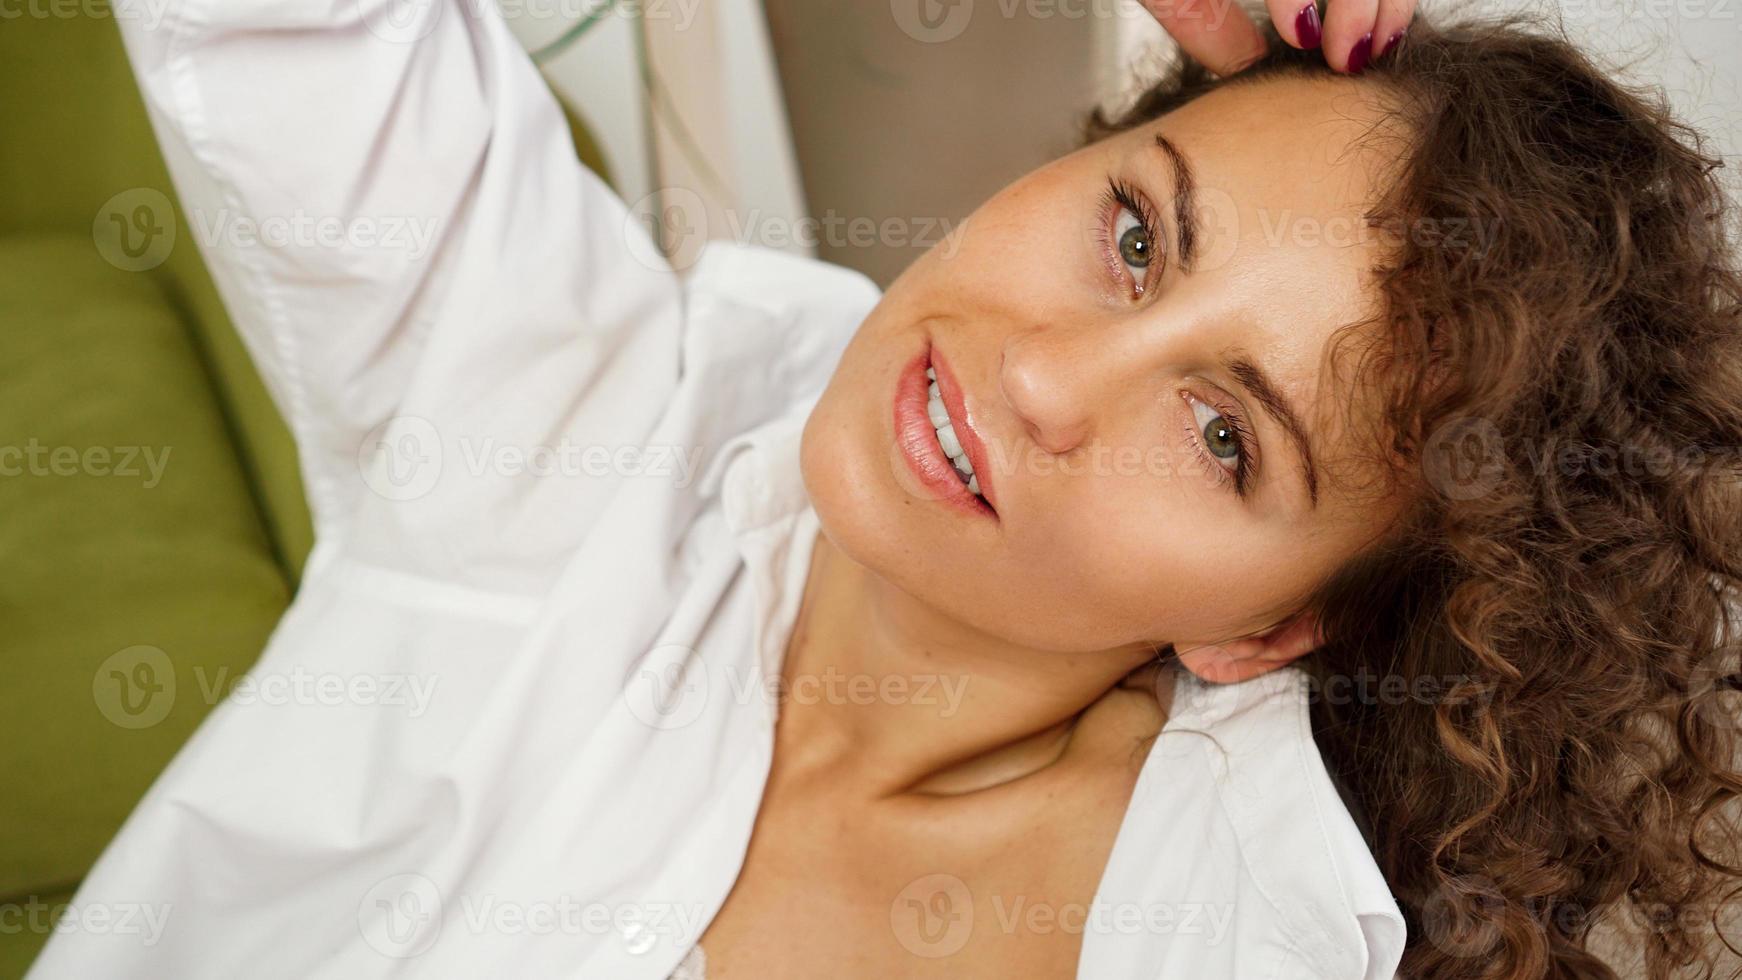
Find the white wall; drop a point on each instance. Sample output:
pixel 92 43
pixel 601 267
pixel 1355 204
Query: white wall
pixel 710 152
pixel 909 113
pixel 1691 47
pixel 599 76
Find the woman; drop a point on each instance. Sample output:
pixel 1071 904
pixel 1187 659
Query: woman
pixel 991 630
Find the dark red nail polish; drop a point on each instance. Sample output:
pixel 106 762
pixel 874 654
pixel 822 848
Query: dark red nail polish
pixel 1361 53
pixel 1306 26
pixel 1392 42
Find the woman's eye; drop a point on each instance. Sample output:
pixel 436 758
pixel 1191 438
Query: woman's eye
pixel 1136 245
pixel 1220 436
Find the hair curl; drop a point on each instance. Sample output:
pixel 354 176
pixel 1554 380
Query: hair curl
pixel 1565 384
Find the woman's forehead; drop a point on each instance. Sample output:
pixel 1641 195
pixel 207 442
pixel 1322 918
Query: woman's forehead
pixel 1309 144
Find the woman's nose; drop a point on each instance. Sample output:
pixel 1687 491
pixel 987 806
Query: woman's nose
pixel 1050 378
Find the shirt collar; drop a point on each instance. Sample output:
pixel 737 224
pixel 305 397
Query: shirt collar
pixel 1296 835
pixel 762 482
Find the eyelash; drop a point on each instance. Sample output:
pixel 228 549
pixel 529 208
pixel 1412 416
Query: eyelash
pixel 1241 477
pixel 1122 195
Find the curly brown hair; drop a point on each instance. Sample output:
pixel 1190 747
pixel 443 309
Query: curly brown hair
pixel 1560 363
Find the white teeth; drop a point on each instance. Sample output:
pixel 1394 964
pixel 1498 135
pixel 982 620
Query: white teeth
pixel 935 409
pixel 946 432
pixel 947 436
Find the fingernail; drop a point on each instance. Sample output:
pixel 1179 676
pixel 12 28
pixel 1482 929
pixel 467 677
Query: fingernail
pixel 1361 53
pixel 1393 41
pixel 1306 25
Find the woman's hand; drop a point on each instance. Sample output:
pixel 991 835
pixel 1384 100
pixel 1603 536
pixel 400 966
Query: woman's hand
pixel 1219 33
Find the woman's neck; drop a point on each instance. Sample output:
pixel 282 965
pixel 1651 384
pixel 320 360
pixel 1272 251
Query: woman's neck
pixel 883 691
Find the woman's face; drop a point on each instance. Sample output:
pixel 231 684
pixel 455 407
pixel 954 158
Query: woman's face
pixel 1160 441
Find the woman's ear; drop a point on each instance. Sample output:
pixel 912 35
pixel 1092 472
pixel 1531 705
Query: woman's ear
pixel 1248 657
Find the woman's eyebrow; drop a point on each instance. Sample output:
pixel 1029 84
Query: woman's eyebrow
pixel 1258 384
pixel 1240 365
pixel 1185 211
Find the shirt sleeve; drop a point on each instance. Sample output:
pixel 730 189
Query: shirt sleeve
pixel 434 288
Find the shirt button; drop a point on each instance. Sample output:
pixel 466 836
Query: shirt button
pixel 637 938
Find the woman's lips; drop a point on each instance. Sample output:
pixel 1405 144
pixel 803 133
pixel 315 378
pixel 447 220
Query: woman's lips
pixel 918 439
pixel 963 422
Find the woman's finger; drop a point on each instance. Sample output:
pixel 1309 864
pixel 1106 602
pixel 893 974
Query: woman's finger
pixel 1297 21
pixel 1217 33
pixel 1394 18
pixel 1348 41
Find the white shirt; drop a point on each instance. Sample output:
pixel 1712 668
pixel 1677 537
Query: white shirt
pixel 516 722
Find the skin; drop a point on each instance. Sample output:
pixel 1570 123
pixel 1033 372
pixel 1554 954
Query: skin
pixel 1049 617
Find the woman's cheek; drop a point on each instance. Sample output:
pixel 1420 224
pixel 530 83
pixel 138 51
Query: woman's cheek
pixel 1119 549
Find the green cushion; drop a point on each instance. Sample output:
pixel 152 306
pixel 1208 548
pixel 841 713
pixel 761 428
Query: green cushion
pixel 76 146
pixel 32 922
pixel 134 553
